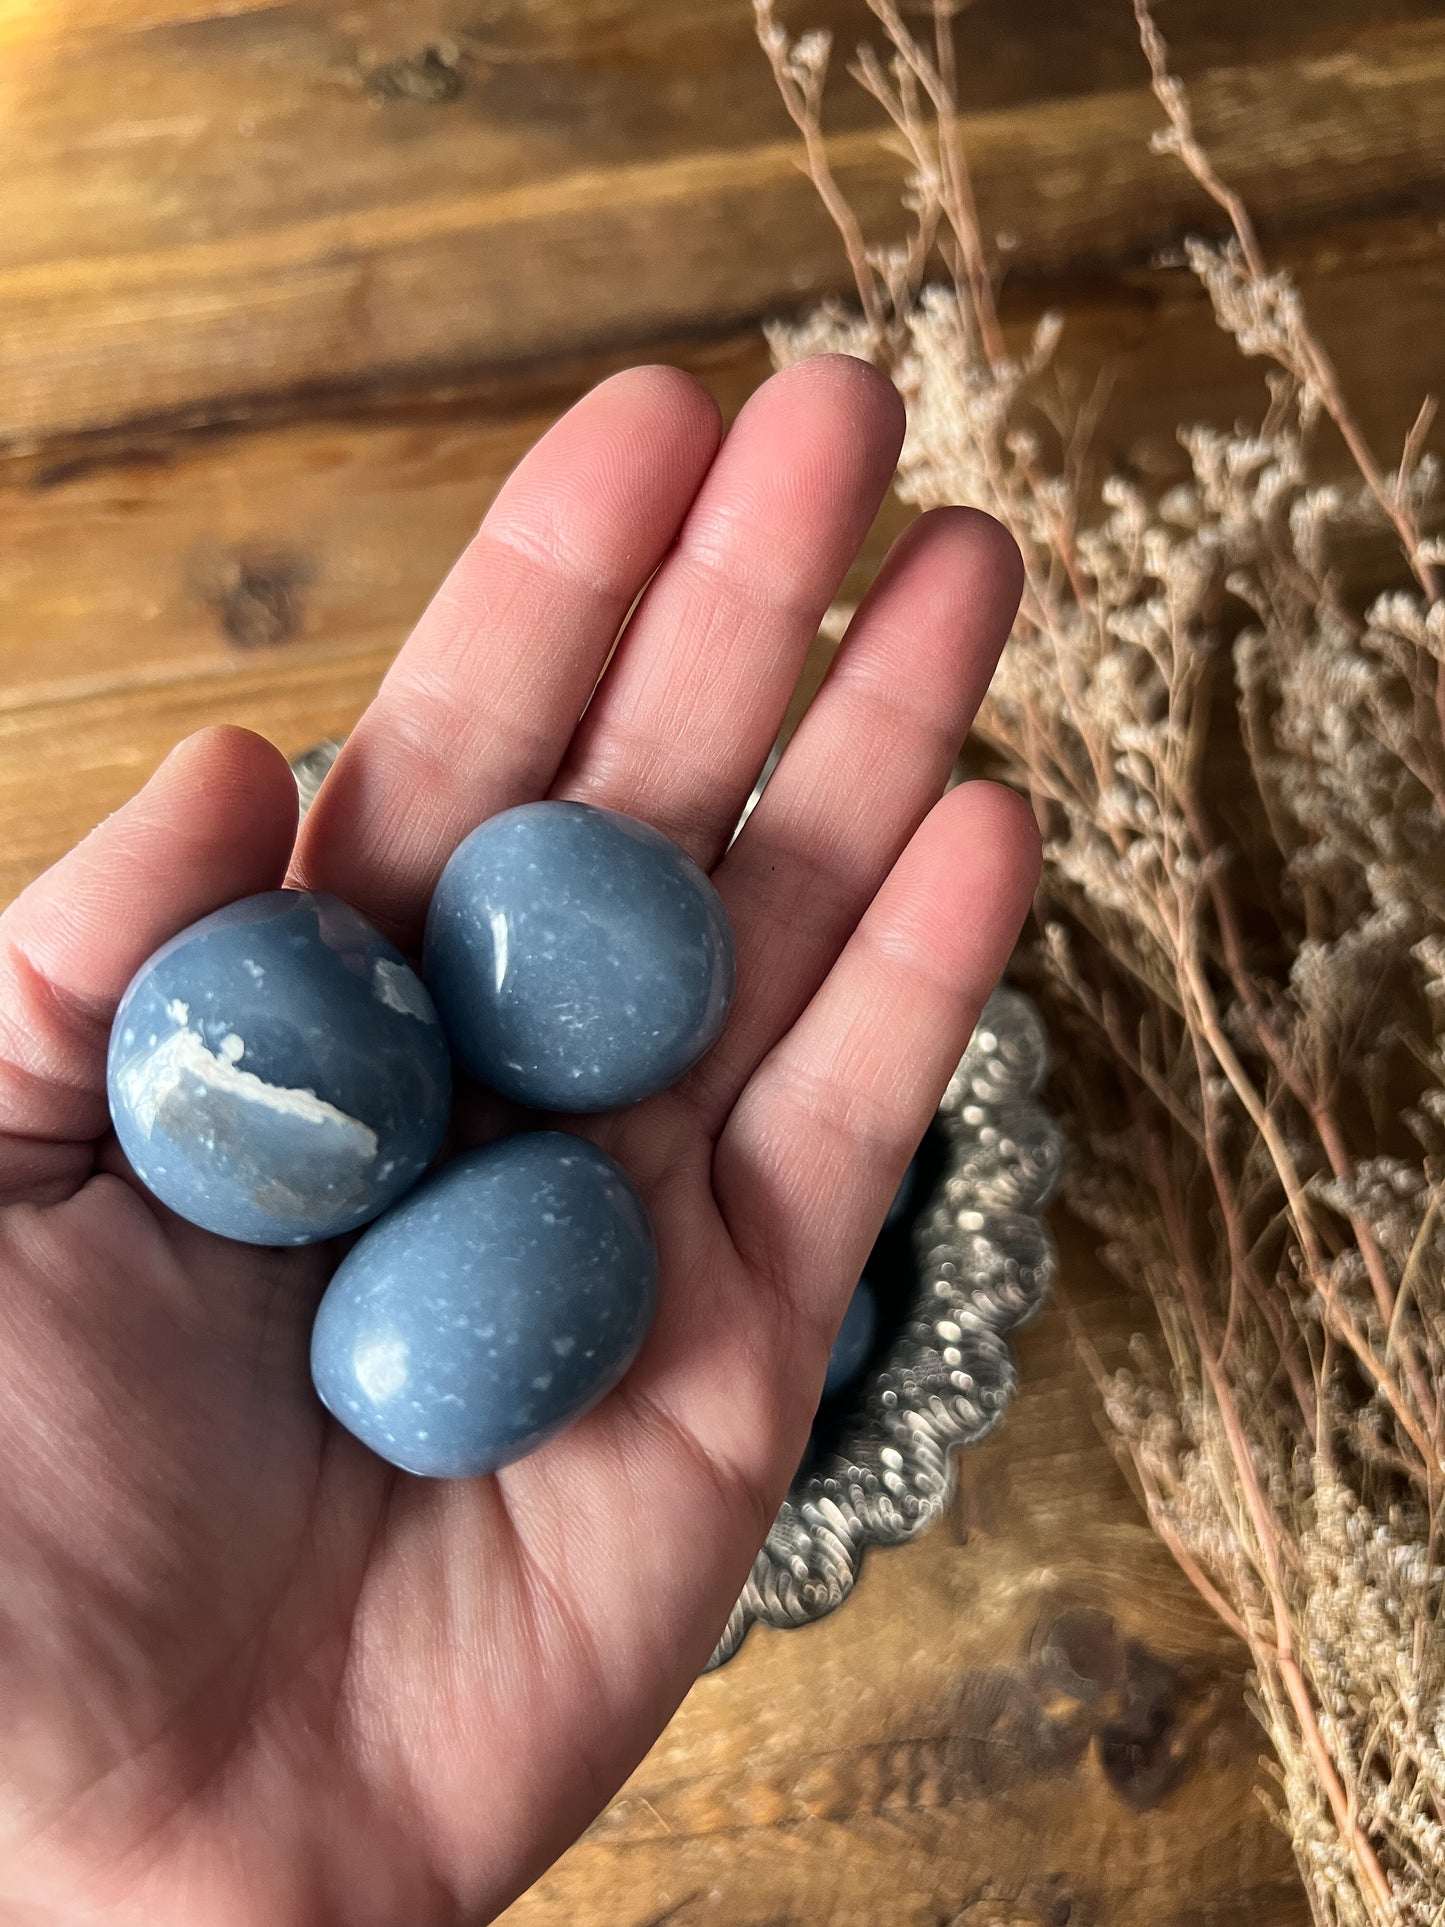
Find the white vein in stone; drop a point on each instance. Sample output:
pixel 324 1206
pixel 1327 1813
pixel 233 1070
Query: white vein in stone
pixel 397 988
pixel 149 1082
pixel 501 945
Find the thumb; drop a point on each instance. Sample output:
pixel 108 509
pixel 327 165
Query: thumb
pixel 215 822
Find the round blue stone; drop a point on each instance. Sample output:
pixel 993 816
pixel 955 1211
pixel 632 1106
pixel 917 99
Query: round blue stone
pixel 580 960
pixel 854 1341
pixel 490 1308
pixel 277 1072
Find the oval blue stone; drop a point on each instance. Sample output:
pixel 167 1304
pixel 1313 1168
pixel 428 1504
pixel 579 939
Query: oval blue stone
pixel 277 1072
pixel 854 1341
pixel 493 1306
pixel 580 960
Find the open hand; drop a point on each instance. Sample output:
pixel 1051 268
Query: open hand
pixel 248 1673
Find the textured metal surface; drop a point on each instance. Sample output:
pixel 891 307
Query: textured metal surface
pixel 983 1263
pixel 310 768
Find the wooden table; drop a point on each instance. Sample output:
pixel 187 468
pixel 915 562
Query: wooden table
pixel 285 289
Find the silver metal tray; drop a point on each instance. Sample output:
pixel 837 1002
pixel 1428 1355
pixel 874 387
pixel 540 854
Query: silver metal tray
pixel 979 1261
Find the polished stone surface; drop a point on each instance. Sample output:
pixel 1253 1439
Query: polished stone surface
pixel 490 1308
pixel 580 960
pixel 277 1072
pixel 854 1341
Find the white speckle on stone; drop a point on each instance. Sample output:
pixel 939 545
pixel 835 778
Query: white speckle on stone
pixel 380 1365
pixel 541 1384
pixel 178 1012
pixel 148 1083
pixel 253 969
pixel 501 939
pixel 232 1048
pixel 563 1345
pixel 397 987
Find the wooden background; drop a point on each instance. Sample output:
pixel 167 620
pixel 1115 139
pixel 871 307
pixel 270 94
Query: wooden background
pixel 285 289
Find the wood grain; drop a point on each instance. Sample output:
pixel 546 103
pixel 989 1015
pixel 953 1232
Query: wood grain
pixel 307 537
pixel 213 209
pixel 153 583
pixel 63 766
pixel 263 578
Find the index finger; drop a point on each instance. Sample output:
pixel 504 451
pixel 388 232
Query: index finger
pixel 479 706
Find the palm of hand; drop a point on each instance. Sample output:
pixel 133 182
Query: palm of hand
pixel 250 1673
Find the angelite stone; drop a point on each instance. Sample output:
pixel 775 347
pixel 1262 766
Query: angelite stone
pixel 580 960
pixel 854 1341
pixel 489 1309
pixel 277 1072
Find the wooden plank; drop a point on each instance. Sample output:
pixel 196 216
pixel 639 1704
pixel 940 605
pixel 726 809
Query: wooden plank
pixel 261 578
pixel 187 557
pixel 279 220
pixel 1025 1718
pixel 64 765
pixel 135 557
pixel 155 579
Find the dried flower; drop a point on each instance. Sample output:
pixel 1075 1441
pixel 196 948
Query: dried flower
pixel 1252 968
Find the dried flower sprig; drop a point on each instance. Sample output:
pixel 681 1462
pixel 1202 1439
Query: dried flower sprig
pixel 1240 777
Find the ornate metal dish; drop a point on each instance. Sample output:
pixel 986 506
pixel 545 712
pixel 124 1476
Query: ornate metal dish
pixel 310 767
pixel 976 1261
pixel 972 1261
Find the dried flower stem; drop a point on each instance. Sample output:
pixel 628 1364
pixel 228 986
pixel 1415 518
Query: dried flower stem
pixel 1254 1013
pixel 957 196
pixel 1321 375
pixel 798 72
pixel 1266 1539
pixel 1331 1137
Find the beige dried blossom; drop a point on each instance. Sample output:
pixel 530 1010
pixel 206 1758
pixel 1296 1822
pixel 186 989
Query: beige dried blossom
pixel 1252 965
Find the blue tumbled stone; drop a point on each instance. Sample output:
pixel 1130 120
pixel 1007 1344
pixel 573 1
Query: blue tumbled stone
pixel 854 1341
pixel 493 1306
pixel 277 1072
pixel 580 960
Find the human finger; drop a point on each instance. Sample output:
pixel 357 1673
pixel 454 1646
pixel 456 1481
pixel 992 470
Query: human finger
pixel 478 708
pixel 867 762
pixel 214 823
pixel 820 1138
pixel 689 706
